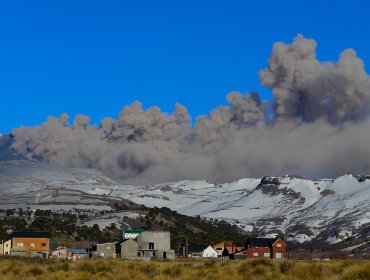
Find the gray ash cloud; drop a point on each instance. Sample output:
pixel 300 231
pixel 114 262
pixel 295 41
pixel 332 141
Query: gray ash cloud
pixel 319 126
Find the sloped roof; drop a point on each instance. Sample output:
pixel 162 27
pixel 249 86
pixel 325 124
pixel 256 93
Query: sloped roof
pixel 134 230
pixel 77 251
pixel 31 234
pixel 260 242
pixel 196 248
pixel 128 240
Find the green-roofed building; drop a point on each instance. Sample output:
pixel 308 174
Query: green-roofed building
pixel 132 233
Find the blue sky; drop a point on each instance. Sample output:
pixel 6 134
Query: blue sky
pixel 94 57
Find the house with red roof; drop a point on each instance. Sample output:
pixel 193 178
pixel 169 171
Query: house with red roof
pixel 273 248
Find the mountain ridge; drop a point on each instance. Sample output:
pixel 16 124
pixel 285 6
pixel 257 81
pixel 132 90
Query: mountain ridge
pixel 301 209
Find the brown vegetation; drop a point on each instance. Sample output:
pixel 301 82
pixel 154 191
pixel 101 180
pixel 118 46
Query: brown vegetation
pixel 33 268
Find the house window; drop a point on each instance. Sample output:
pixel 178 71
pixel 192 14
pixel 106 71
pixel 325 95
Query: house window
pixel 255 254
pixel 266 255
pixel 102 254
pixel 43 244
pixel 32 245
pixel 278 245
pixel 20 244
pixel 108 247
pixel 151 245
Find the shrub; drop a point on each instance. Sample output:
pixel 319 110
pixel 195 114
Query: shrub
pixel 357 273
pixel 35 271
pixel 210 262
pixel 173 271
pixel 87 266
pixel 149 269
pixel 285 267
pixel 262 262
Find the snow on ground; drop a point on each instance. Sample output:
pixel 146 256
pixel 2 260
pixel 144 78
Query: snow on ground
pixel 349 249
pixel 111 218
pixel 343 202
pixel 300 238
pixel 103 223
pixel 67 207
pixel 248 228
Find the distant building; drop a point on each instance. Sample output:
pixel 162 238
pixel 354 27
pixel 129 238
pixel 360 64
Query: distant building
pixel 273 248
pixel 239 255
pixel 155 244
pixel 209 252
pixel 27 243
pixel 5 247
pixel 129 249
pixel 219 247
pixel 132 233
pixel 226 248
pixel 77 254
pixel 195 251
pixel 59 252
pixel 106 250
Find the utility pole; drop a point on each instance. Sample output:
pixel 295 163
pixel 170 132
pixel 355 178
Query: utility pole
pixel 186 249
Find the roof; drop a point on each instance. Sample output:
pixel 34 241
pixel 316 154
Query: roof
pixel 108 243
pixel 241 253
pixel 76 251
pixel 196 248
pixel 260 242
pixel 30 234
pixel 280 241
pixel 128 240
pixel 56 245
pixel 134 230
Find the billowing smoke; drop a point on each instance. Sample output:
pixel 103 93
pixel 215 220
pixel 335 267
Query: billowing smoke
pixel 305 88
pixel 316 126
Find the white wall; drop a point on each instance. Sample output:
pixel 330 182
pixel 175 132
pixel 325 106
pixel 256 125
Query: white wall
pixel 209 252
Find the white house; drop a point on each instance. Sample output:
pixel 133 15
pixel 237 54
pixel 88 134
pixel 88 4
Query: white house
pixel 209 252
pixel 5 247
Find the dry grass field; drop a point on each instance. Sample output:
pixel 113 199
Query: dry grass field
pixel 22 268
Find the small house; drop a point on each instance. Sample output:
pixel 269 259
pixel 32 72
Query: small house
pixel 27 243
pixel 195 251
pixel 129 249
pixel 59 252
pixel 106 250
pixel 77 254
pixel 209 252
pixel 155 244
pixel 239 255
pixel 219 247
pixel 5 247
pixel 273 248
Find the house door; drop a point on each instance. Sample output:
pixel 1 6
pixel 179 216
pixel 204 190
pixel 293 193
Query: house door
pixel 164 255
pixel 278 255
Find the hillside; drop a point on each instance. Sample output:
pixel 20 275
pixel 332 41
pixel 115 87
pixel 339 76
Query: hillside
pixel 329 210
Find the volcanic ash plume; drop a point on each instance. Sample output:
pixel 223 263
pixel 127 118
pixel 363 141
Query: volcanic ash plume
pixel 317 125
pixel 305 88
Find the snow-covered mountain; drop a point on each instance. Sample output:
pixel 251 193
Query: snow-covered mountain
pixel 302 209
